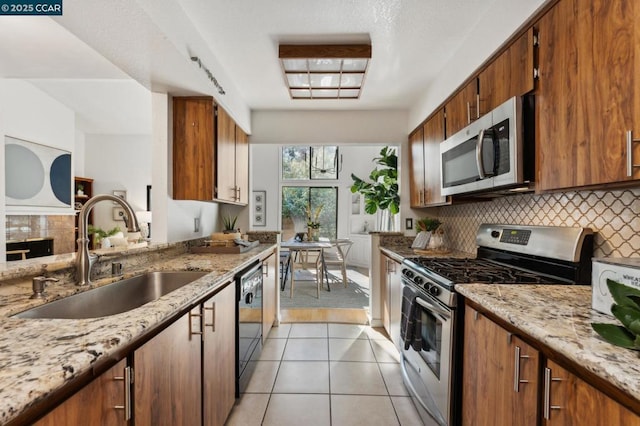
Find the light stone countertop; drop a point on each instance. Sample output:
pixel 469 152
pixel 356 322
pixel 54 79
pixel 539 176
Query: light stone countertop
pixel 559 316
pixel 40 356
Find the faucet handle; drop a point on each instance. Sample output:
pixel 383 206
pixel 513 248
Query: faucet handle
pixel 38 284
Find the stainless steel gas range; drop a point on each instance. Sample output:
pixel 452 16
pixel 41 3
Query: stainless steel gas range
pixel 431 325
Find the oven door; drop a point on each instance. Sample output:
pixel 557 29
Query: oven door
pixel 427 353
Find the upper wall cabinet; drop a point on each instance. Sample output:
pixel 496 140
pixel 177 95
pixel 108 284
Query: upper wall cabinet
pixel 233 160
pixel 424 163
pixel 462 108
pixel 510 74
pixel 210 153
pixel 587 100
pixel 193 148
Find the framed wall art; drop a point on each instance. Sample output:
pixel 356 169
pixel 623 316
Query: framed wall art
pixel 36 175
pixel 259 208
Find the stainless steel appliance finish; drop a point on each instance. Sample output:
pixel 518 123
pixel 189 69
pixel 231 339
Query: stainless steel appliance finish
pixel 248 322
pixel 488 153
pixel 432 321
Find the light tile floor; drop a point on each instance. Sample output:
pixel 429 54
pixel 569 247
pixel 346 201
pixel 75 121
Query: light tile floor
pixel 326 374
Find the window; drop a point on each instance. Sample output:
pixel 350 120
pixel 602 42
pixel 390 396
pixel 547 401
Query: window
pixel 295 202
pixel 310 162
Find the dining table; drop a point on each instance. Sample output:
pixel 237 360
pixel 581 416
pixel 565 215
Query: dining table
pixel 303 247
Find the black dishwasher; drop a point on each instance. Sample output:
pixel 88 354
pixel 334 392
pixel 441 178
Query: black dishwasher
pixel 248 323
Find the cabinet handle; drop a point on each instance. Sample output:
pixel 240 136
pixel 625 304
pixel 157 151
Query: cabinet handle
pixel 468 112
pixel 547 394
pixel 191 332
pixel 213 316
pixel 476 315
pixel 516 373
pixel 238 193
pixel 128 379
pixel 265 269
pixel 477 105
pixel 630 142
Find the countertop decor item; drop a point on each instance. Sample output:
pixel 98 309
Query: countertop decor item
pixel 229 223
pixel 382 193
pixel 627 310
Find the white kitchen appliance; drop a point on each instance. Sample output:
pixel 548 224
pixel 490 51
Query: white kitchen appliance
pixel 623 270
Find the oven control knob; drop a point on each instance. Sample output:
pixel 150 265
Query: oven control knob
pixel 434 290
pixel 495 234
pixel 408 273
pixel 418 280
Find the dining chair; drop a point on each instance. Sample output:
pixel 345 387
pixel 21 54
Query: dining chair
pixel 336 256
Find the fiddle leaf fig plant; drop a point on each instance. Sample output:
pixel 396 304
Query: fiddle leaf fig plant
pixel 382 191
pixel 627 310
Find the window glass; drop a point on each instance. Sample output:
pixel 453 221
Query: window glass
pixel 298 201
pixel 310 162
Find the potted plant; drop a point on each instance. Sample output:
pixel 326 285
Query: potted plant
pixel 381 193
pixel 313 223
pixel 426 227
pixel 79 189
pixel 627 310
pixel 229 224
pixel 101 236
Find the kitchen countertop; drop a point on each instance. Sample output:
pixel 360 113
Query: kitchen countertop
pixel 40 356
pixel 399 253
pixel 559 316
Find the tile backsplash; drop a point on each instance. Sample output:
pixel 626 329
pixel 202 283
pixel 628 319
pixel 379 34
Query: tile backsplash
pixel 59 227
pixel 613 215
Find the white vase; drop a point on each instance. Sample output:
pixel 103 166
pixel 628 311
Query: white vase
pixel 385 221
pixel 105 243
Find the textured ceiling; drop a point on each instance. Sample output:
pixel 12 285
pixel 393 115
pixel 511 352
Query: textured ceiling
pixel 421 49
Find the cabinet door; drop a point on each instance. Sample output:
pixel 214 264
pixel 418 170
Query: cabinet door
pixel 269 292
pixel 508 75
pixel 168 375
pixel 219 356
pixel 395 302
pixel 490 372
pixel 242 166
pixel 433 136
pixel 386 295
pixel 193 149
pixel 571 401
pixel 416 168
pixel 226 164
pixel 587 99
pixel 462 109
pixel 95 404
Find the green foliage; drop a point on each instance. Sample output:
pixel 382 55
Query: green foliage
pixel 382 190
pixel 229 222
pixel 428 224
pixel 627 310
pixel 99 233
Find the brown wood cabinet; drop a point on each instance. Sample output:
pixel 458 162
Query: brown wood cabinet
pixel 168 375
pixel 193 148
pixel 233 160
pixel 218 356
pixel 587 97
pixel 424 163
pixel 462 108
pixel 508 75
pixel 572 402
pixel 500 375
pixel 101 402
pixel 270 288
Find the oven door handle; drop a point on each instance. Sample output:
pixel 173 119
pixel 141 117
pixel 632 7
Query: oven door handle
pixel 433 308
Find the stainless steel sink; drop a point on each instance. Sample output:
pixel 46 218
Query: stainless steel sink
pixel 111 299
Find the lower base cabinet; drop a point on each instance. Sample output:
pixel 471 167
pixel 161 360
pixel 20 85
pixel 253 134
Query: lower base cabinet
pixel 503 384
pixel 101 402
pixel 270 288
pixel 570 401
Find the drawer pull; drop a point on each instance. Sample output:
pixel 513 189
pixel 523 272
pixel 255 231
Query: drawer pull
pixel 128 379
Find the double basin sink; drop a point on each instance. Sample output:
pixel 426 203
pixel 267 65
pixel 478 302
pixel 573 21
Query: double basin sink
pixel 116 298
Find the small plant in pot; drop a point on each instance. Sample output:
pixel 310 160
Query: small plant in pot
pixel 427 228
pixel 229 224
pixel 627 310
pixel 99 234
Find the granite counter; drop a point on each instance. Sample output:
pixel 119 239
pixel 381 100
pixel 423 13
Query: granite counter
pixel 40 356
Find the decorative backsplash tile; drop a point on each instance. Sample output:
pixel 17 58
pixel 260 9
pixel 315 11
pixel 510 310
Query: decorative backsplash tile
pixel 613 215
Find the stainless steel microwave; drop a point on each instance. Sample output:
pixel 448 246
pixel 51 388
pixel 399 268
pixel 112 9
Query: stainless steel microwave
pixel 487 154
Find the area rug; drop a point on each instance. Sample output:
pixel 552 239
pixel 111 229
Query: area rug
pixel 354 296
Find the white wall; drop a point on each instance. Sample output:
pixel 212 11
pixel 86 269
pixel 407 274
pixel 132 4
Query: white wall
pixel 118 162
pixel 329 127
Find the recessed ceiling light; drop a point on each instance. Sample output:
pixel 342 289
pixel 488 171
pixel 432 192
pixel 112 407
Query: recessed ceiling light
pixel 324 71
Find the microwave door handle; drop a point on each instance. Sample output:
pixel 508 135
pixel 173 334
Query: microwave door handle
pixel 479 146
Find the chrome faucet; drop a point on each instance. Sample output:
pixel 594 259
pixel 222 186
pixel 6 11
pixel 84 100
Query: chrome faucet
pixel 84 259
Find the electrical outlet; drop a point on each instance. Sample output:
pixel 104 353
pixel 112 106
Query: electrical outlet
pixel 408 223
